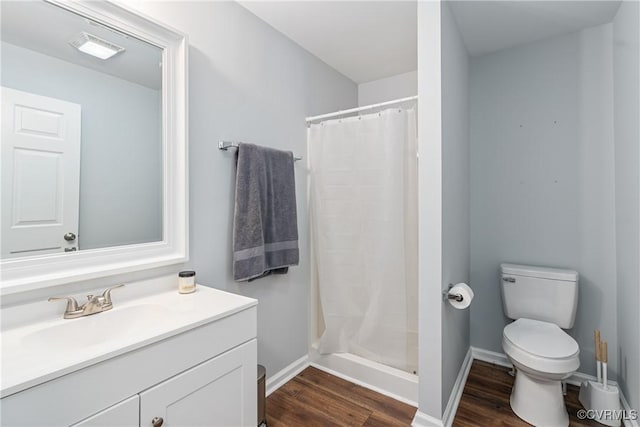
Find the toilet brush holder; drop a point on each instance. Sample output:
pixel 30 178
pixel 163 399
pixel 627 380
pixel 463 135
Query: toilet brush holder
pixel 602 403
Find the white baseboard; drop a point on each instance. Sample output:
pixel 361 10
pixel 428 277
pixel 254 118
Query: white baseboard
pixel 627 408
pixel 423 420
pixel 456 392
pixel 576 379
pixel 280 378
pixel 500 359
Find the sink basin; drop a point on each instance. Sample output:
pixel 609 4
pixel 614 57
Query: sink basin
pixel 38 347
pixel 98 328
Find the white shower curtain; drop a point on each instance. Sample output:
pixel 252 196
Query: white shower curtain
pixel 363 196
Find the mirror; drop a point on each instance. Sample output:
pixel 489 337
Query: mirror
pixel 81 133
pixel 94 178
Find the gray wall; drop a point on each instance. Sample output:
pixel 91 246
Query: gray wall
pixel 542 178
pixel 121 146
pixel 627 159
pixel 249 83
pixel 455 195
pixel 389 88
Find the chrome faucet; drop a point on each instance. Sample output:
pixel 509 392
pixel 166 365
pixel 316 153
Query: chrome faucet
pixel 92 306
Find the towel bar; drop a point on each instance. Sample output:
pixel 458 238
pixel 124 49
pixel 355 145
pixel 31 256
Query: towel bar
pixel 225 145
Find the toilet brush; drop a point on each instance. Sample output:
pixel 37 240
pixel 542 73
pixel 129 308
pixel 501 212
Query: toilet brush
pixel 598 396
pixel 598 355
pixel 604 358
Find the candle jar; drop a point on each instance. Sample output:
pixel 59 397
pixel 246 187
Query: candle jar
pixel 186 282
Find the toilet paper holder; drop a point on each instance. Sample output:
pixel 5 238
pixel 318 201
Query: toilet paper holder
pixel 446 295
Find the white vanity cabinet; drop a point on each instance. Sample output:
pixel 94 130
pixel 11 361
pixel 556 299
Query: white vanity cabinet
pixel 197 367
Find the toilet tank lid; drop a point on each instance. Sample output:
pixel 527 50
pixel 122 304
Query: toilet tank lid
pixel 539 272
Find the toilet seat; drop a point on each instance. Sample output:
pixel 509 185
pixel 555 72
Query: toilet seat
pixel 541 339
pixel 541 346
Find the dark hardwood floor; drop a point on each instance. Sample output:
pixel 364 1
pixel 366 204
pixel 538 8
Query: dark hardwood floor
pixel 485 400
pixel 315 398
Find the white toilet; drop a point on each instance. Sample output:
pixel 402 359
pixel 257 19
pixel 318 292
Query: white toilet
pixel 542 301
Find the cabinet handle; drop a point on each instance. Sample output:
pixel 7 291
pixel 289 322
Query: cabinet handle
pixel 157 421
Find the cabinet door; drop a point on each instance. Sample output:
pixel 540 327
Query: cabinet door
pixel 123 414
pixel 219 392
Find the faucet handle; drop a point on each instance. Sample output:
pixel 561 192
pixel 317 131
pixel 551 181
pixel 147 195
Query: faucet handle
pixel 107 293
pixel 72 304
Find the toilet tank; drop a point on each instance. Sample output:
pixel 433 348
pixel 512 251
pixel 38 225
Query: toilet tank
pixel 539 293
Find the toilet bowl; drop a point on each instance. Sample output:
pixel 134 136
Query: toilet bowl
pixel 543 355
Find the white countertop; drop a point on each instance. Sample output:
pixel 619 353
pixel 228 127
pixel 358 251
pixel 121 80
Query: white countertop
pixel 40 351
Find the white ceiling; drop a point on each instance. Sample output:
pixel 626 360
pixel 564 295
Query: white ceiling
pixel 47 29
pixel 364 40
pixel 369 40
pixel 488 26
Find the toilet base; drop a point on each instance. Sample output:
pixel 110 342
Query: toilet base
pixel 539 402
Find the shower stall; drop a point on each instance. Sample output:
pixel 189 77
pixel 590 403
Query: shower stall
pixel 364 228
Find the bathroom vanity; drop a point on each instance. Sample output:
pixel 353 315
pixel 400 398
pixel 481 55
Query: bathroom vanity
pixel 161 358
pixel 108 198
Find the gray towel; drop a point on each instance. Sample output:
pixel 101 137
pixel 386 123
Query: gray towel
pixel 265 226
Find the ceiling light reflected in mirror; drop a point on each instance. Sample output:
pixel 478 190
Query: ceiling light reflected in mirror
pixel 95 46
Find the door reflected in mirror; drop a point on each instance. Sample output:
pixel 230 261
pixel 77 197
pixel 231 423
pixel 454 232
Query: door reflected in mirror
pixel 82 151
